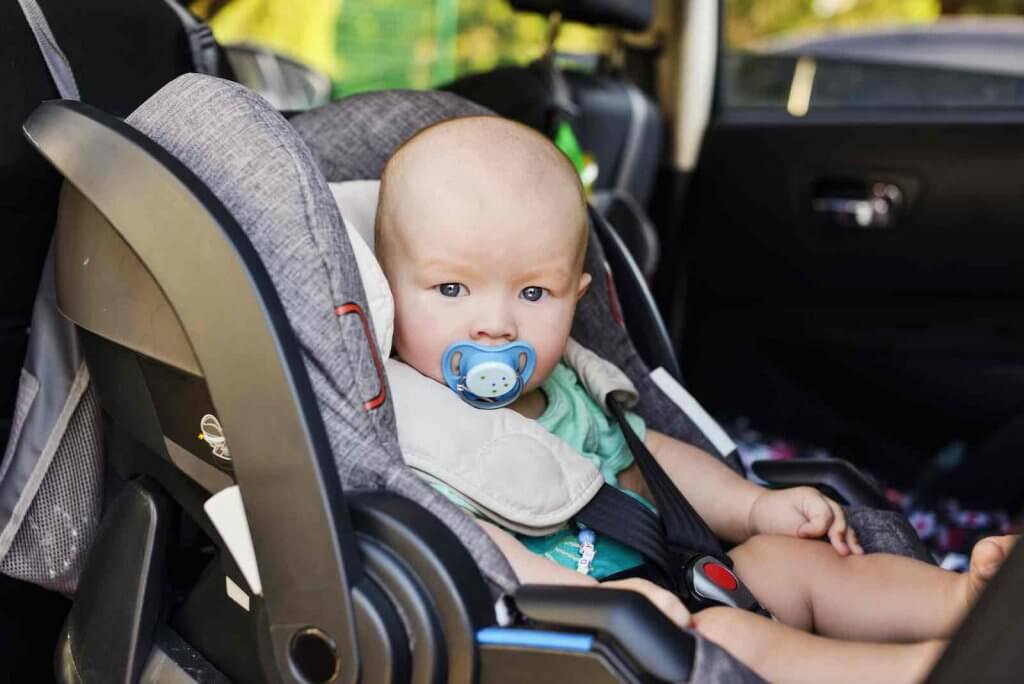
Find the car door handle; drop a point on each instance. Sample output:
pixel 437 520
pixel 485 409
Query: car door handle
pixel 878 210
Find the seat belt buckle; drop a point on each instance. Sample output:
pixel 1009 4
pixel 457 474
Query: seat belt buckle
pixel 710 582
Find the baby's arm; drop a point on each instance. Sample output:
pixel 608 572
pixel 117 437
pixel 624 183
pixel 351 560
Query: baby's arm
pixel 735 508
pixel 723 498
pixel 531 568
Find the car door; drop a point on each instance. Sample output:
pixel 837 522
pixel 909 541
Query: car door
pixel 849 267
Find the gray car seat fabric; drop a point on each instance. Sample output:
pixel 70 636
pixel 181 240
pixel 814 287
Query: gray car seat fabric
pixel 253 161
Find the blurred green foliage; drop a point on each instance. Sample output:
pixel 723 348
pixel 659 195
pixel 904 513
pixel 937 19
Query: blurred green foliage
pixel 748 21
pixel 419 44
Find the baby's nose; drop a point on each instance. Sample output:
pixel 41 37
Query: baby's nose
pixel 496 326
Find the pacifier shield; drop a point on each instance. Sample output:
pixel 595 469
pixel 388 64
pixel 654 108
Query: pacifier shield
pixel 488 377
pixel 491 379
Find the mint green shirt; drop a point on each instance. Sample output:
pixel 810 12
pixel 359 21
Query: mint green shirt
pixel 573 416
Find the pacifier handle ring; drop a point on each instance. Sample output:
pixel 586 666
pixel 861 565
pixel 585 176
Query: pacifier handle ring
pixel 531 363
pixel 446 362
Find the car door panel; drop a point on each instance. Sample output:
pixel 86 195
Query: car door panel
pixel 884 343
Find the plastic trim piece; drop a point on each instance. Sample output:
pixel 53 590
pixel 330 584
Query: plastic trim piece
pixel 840 477
pixel 626 619
pixel 535 638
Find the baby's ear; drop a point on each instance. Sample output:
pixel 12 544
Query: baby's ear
pixel 585 280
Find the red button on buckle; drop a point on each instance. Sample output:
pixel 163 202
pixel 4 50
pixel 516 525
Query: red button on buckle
pixel 720 576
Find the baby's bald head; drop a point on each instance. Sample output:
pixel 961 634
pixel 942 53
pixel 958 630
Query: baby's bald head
pixel 477 175
pixel 481 230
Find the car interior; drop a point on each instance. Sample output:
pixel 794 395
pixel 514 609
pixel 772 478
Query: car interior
pixel 160 217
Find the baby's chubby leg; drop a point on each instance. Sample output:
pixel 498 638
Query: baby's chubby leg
pixel 785 655
pixel 875 597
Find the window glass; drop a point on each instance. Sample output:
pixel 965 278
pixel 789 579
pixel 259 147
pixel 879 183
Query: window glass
pixel 420 44
pixel 802 55
pixel 373 44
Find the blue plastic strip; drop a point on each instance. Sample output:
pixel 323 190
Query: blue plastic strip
pixel 534 638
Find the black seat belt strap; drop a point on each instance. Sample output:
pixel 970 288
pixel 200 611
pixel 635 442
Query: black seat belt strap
pixel 619 516
pixel 684 528
pixel 679 544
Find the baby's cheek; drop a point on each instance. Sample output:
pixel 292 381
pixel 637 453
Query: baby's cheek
pixel 548 340
pixel 419 341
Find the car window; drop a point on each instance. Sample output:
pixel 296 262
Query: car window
pixel 376 44
pixel 801 55
pixel 422 43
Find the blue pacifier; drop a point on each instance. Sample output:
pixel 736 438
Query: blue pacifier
pixel 488 377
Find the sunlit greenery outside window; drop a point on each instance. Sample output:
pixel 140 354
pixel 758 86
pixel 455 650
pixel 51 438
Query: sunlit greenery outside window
pixel 423 43
pixel 372 44
pixel 807 55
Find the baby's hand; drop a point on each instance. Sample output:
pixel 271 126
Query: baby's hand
pixel 664 600
pixel 803 512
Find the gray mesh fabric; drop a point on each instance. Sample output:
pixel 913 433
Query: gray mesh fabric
pixel 266 177
pixel 50 546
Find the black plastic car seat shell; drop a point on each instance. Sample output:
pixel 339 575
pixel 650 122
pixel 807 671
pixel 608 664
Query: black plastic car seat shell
pixel 68 134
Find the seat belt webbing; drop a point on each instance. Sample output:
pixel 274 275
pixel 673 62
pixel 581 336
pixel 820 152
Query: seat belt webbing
pixel 56 61
pixel 684 529
pixel 622 518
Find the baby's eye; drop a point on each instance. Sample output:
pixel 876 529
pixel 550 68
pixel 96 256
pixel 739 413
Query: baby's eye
pixel 451 289
pixel 532 293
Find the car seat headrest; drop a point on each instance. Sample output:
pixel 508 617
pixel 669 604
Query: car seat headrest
pixel 632 15
pixel 354 137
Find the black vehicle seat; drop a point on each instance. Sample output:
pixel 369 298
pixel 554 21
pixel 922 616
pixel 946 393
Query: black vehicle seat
pixel 613 119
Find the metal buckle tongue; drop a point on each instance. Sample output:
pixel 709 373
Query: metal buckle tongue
pixel 488 377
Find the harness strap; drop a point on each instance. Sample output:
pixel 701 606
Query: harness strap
pixel 685 556
pixel 685 530
pixel 56 61
pixel 619 516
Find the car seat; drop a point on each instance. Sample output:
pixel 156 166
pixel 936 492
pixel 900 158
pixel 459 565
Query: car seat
pixel 204 264
pixel 613 119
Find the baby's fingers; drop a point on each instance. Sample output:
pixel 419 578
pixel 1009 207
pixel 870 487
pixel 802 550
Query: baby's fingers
pixel 669 604
pixel 818 516
pixel 837 533
pixel 853 542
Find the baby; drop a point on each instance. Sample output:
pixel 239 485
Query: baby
pixel 481 231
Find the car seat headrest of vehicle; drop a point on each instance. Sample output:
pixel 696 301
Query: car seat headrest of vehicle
pixel 632 15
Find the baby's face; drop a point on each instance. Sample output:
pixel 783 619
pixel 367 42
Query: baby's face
pixel 477 258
